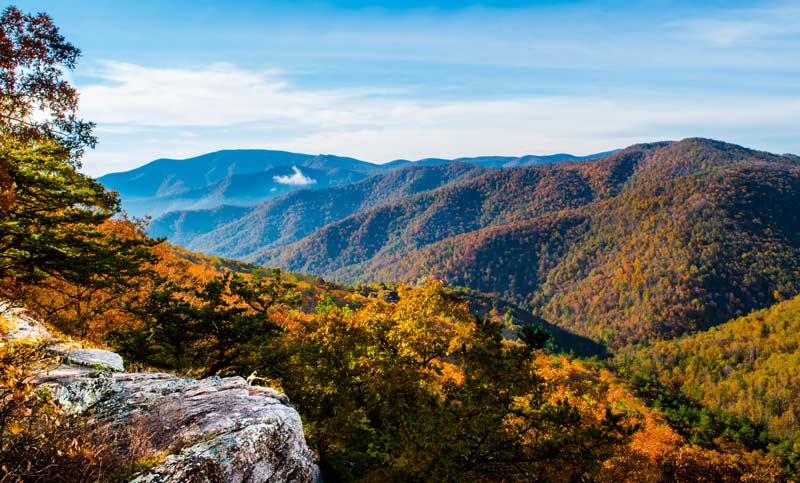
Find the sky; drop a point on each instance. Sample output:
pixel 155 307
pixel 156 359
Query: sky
pixel 410 79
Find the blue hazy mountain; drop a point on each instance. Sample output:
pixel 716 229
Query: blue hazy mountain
pixel 249 176
pixel 238 231
pixel 237 177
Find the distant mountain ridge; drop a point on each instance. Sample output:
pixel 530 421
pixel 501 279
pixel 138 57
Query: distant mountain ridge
pixel 647 243
pixel 228 177
pixel 240 231
pixel 248 176
pixel 502 161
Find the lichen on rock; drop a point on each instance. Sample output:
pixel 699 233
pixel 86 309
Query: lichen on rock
pixel 219 429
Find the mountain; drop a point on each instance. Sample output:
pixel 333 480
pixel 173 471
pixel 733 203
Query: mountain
pixel 647 243
pixel 237 231
pixel 229 177
pixel 501 161
pixel 650 242
pixel 388 233
pixel 248 177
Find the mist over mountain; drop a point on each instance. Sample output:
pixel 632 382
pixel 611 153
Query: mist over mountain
pixel 246 177
pixel 237 231
pixel 241 177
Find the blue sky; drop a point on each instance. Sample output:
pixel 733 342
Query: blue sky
pixel 412 79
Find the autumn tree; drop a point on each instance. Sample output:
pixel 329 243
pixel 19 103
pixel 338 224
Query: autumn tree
pixel 52 216
pixel 222 326
pixel 54 233
pixel 421 390
pixel 36 102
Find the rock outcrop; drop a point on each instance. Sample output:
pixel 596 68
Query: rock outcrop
pixel 209 430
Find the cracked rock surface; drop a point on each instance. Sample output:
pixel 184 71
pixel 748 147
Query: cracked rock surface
pixel 225 429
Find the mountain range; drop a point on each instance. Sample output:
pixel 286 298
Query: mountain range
pixel 247 177
pixel 645 243
pixel 240 231
pixel 678 262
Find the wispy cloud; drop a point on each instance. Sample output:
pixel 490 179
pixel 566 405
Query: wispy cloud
pixel 750 27
pixel 215 95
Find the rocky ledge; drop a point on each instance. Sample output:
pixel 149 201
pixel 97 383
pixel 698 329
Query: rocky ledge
pixel 209 430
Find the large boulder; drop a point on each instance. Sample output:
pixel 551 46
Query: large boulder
pixel 213 430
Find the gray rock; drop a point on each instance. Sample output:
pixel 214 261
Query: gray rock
pixel 77 389
pixel 217 429
pixel 25 326
pixel 211 430
pixel 96 358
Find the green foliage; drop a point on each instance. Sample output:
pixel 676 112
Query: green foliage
pixel 220 327
pixel 51 215
pixel 746 366
pixel 51 222
pixel 702 426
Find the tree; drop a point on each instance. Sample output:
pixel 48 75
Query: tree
pixel 222 326
pixel 33 56
pixel 420 390
pixel 51 215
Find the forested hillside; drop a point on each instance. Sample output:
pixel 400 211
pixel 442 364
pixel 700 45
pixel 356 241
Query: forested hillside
pixel 354 247
pixel 460 354
pixel 747 367
pixel 650 242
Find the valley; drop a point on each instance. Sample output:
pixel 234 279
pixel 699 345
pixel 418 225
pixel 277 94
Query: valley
pixel 261 315
pixel 644 257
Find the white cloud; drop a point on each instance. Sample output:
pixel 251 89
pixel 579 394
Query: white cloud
pixel 146 113
pixel 215 95
pixel 295 179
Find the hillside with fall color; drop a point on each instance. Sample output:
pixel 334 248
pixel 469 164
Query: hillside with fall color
pixel 630 318
pixel 648 243
pixel 747 367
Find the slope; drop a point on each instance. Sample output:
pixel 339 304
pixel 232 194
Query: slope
pixel 360 245
pixel 235 232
